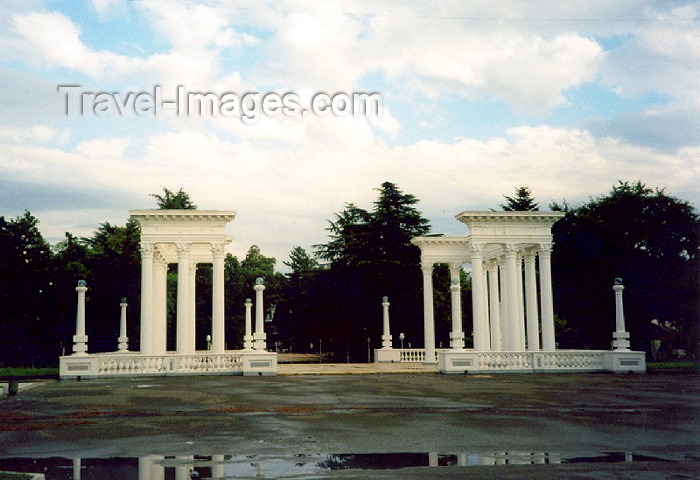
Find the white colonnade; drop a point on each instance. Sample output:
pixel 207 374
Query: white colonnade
pixel 509 308
pixel 186 238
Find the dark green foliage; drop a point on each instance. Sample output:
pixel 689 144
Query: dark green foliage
pixel 174 200
pixel 521 202
pixel 369 255
pixel 648 238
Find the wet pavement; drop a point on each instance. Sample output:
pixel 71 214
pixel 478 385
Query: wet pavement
pixel 360 426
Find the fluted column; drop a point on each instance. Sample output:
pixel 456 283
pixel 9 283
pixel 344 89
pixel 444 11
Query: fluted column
pixel 160 307
pixel 428 317
pixel 533 321
pixel 512 298
pixel 480 330
pixel 457 335
pixel 386 329
pixel 146 343
pixel 548 341
pixel 494 310
pixel 183 290
pixel 192 304
pixel 217 309
pixel 485 304
pixel 503 311
pixel 521 302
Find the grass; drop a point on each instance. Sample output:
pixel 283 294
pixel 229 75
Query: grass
pixel 14 476
pixel 26 372
pixel 652 366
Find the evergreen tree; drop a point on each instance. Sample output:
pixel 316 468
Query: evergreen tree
pixel 521 202
pixel 174 200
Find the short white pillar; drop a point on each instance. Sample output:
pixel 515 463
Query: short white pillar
pixel 183 290
pixel 512 299
pixel 259 336
pixel 217 314
pixel 386 335
pixel 146 343
pixel 457 334
pixel 620 337
pixel 494 310
pixel 533 321
pixel 480 330
pixel 428 316
pixel 248 336
pixel 548 341
pixel 123 339
pixel 80 338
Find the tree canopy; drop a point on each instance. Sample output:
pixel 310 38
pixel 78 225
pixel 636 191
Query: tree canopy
pixel 521 202
pixel 644 236
pixel 173 200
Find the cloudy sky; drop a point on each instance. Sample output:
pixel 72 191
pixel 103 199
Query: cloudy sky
pixel 478 97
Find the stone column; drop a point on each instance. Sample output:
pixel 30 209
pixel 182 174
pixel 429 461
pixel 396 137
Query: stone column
pixel 80 338
pixel 259 336
pixel 548 341
pixel 183 290
pixel 494 310
pixel 386 330
pixel 123 339
pixel 512 298
pixel 146 342
pixel 428 318
pixel 485 303
pixel 521 302
pixel 620 337
pixel 480 330
pixel 503 307
pixel 457 335
pixel 160 307
pixel 192 304
pixel 533 321
pixel 248 336
pixel 217 309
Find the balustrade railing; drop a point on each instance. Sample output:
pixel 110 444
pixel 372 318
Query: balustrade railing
pixel 128 364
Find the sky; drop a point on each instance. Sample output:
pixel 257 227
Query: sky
pixel 566 97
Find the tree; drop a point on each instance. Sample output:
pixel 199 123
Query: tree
pixel 170 200
pixel 27 328
pixel 521 202
pixel 369 255
pixel 644 236
pixel 301 263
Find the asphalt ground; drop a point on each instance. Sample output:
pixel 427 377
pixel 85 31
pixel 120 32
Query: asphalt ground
pixel 573 417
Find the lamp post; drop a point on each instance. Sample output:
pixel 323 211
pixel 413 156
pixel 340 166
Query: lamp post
pixel 401 337
pixel 368 350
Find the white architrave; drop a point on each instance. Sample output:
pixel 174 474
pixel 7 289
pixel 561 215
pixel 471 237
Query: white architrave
pixel 187 238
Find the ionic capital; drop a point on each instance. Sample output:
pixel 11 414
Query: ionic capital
pixel 218 250
pixel 476 251
pixel 147 249
pixel 545 250
pixel 183 250
pixel 511 251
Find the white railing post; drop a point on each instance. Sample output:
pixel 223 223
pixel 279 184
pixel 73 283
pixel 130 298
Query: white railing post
pixel 80 339
pixel 123 339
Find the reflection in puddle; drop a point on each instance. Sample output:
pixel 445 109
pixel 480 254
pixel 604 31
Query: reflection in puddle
pixel 155 467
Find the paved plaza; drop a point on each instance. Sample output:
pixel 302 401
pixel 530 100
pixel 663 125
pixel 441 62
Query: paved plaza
pixel 574 424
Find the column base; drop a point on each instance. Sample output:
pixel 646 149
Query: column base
pixel 386 341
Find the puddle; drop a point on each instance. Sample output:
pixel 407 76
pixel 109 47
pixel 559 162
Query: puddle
pixel 297 466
